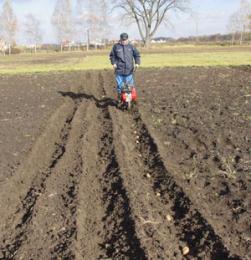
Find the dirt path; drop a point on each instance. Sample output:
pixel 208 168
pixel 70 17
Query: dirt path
pixel 95 186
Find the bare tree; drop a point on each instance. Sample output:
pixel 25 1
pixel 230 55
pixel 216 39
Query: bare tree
pixel 81 20
pixel 62 20
pixel 234 26
pixel 93 18
pixel 149 14
pixel 86 20
pixel 249 22
pixel 196 19
pixel 8 24
pixel 33 30
pixel 104 19
pixel 238 22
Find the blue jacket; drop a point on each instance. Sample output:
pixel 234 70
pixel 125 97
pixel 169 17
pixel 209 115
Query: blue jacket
pixel 123 56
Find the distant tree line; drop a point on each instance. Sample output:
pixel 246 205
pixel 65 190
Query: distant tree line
pixel 214 38
pixel 8 27
pixel 89 21
pixel 240 23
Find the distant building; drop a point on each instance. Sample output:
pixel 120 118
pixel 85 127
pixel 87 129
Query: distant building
pixel 161 40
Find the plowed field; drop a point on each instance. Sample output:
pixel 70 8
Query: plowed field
pixel 171 179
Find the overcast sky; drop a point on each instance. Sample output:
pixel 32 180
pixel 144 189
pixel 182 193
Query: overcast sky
pixel 212 17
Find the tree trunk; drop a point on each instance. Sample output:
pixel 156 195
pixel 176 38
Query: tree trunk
pixel 61 47
pixel 35 48
pixel 147 40
pixel 9 49
pixel 147 43
pixel 242 35
pixel 88 41
pixel 233 38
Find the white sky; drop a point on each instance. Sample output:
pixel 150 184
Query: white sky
pixel 212 17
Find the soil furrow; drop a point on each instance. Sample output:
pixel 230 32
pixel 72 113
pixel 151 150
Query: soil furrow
pixel 156 235
pixel 197 156
pixel 192 227
pixel 40 174
pixel 101 183
pixel 66 208
pixel 21 215
pixel 53 223
pixel 26 211
pixel 120 238
pixel 38 185
pixel 184 223
pixel 90 208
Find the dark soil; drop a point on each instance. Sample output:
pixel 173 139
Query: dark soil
pixel 81 179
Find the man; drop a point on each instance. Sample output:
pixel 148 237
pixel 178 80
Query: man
pixel 123 56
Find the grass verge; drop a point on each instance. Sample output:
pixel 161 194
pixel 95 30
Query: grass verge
pixel 52 63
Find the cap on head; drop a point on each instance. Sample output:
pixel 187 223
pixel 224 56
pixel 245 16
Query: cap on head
pixel 123 36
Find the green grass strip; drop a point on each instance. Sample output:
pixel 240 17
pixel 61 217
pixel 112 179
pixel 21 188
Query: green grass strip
pixel 53 63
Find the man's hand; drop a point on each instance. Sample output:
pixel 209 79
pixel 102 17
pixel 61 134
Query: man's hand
pixel 114 66
pixel 136 67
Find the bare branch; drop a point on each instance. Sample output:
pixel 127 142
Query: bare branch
pixel 62 20
pixel 239 21
pixel 8 23
pixel 149 14
pixel 33 29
